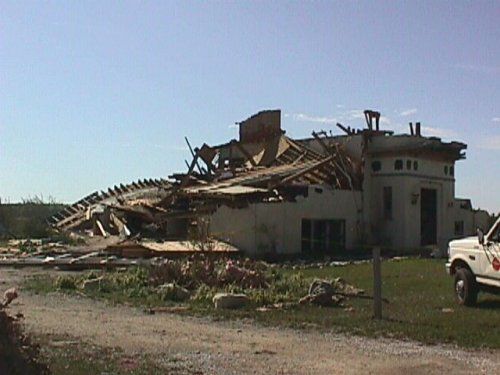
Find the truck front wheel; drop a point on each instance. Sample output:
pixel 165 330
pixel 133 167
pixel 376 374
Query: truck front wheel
pixel 465 287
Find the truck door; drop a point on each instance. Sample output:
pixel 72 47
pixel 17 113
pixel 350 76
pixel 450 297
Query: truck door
pixel 491 263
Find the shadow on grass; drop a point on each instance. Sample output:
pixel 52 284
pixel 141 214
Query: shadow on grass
pixel 488 304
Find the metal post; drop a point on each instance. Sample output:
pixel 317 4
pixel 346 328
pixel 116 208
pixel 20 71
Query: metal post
pixel 377 284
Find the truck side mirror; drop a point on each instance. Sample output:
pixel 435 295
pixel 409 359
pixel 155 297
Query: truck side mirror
pixel 480 236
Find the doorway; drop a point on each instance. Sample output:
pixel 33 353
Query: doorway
pixel 428 217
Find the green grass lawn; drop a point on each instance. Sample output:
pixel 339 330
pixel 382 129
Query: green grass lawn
pixel 420 295
pixel 421 305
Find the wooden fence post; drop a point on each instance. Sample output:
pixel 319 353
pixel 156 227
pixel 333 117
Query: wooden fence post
pixel 377 284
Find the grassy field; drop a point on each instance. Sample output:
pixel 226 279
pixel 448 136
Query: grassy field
pixel 420 293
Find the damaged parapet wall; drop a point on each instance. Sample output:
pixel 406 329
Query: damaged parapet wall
pixel 261 126
pixel 269 193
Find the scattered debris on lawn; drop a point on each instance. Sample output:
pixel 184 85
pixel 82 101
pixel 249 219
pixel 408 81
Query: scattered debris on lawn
pixel 110 254
pixel 211 282
pixel 326 293
pixel 173 292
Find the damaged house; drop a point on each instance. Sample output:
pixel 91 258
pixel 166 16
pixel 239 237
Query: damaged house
pixel 267 193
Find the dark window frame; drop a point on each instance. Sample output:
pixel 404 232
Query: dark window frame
pixel 459 228
pixel 323 235
pixel 387 202
pixel 398 164
pixel 376 165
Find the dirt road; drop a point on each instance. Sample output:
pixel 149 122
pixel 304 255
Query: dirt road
pixel 234 347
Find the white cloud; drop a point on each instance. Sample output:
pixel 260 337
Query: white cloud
pixel 490 143
pixel 355 114
pixel 495 119
pixel 430 131
pixel 309 118
pixel 385 120
pixel 233 126
pixel 408 112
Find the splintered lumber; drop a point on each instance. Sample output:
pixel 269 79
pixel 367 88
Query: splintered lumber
pixel 207 154
pixel 193 155
pixel 101 228
pixel 185 178
pixel 83 257
pixel 348 131
pixel 122 227
pixel 304 171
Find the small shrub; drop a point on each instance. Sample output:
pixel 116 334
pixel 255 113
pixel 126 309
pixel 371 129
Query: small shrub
pixel 65 283
pixel 204 294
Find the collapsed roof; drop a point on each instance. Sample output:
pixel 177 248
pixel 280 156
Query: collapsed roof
pixel 264 165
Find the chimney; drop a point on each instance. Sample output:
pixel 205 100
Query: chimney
pixel 411 128
pixel 369 116
pixel 417 129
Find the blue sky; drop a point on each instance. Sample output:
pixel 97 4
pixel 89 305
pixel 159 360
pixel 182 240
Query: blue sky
pixel 98 93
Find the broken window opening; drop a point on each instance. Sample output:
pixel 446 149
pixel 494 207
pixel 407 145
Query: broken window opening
pixel 408 164
pixel 398 164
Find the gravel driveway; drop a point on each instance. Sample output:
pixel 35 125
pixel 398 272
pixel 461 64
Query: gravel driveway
pixel 234 347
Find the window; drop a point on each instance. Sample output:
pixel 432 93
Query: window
pixel 387 200
pixel 408 164
pixel 376 166
pixel 495 235
pixel 415 165
pixel 452 170
pixel 323 235
pixel 398 164
pixel 446 169
pixel 459 228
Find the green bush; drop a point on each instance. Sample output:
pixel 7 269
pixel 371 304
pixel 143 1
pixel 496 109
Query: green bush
pixel 65 283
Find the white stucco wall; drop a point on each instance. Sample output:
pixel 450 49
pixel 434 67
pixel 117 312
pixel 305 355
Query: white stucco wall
pixel 276 227
pixel 403 231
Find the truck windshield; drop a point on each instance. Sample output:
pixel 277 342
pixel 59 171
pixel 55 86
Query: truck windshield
pixel 495 236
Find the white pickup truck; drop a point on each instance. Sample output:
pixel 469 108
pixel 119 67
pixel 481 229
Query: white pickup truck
pixel 475 264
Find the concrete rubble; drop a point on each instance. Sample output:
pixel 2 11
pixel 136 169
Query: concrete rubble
pixel 230 300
